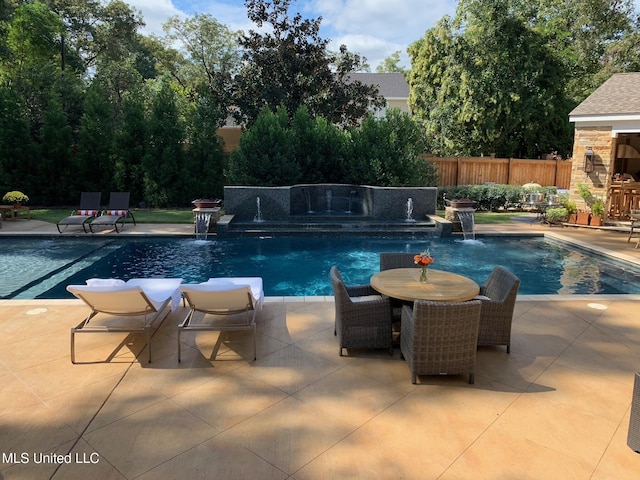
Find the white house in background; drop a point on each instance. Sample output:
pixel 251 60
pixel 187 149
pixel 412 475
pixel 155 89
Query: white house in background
pixel 392 86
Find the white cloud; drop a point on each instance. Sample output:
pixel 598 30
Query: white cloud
pixel 372 28
pixel 154 13
pixel 377 28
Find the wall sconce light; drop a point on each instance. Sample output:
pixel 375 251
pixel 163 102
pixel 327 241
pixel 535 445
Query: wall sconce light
pixel 588 160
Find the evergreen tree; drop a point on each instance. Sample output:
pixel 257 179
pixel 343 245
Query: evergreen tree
pixel 163 163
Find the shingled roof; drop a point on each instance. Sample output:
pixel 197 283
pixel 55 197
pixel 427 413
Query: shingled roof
pixel 619 95
pixel 390 85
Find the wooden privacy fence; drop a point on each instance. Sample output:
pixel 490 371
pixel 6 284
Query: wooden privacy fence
pixel 510 171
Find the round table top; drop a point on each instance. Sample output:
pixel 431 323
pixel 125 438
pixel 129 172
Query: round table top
pixel 403 283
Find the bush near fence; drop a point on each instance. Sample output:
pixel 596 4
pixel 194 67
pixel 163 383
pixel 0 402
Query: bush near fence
pixel 490 198
pixel 455 171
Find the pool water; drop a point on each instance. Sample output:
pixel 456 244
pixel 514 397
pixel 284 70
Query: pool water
pixel 299 266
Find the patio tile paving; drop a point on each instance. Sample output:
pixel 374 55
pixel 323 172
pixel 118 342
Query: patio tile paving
pixel 557 407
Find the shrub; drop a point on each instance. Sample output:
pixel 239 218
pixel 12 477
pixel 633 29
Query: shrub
pixel 557 215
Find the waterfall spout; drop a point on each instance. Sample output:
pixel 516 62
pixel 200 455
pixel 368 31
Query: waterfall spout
pixel 467 224
pixel 258 218
pixel 202 225
pixel 409 217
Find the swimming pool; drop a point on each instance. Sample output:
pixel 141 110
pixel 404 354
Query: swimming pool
pixel 299 266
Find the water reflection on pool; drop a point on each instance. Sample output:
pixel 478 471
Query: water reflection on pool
pixel 42 267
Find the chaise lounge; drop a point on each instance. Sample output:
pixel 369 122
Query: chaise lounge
pixel 88 210
pixel 117 213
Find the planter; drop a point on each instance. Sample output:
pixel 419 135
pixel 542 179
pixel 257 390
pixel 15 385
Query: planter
pixel 595 221
pixel 460 203
pixel 573 218
pixel 206 203
pixel 582 218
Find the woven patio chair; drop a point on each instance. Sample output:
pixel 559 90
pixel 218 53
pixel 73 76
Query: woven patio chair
pixel 498 296
pixel 363 317
pixel 389 260
pixel 440 338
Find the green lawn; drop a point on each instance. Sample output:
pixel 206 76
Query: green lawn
pixel 54 215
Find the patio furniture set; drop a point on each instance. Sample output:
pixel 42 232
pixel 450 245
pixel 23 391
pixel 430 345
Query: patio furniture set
pixel 442 322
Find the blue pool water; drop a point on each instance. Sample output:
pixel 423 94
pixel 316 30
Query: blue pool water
pixel 42 267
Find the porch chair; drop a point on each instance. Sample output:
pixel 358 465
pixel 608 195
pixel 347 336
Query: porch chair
pixel 498 296
pixel 440 338
pixel 362 316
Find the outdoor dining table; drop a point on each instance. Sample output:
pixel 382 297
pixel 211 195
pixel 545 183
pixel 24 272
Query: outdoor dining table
pixel 404 284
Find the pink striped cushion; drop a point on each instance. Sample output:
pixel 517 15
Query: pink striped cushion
pixel 90 213
pixel 120 213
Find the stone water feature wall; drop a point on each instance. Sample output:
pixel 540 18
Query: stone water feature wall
pixel 289 203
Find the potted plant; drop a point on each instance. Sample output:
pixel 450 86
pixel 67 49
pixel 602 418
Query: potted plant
pixel 15 197
pixel 584 192
pixel 597 210
pixel 571 208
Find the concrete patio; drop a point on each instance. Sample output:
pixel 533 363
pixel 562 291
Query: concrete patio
pixel 557 407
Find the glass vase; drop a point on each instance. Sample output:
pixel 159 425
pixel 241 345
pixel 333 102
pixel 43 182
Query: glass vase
pixel 423 275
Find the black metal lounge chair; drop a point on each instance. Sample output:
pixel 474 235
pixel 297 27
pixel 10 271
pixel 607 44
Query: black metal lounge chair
pixel 89 208
pixel 117 212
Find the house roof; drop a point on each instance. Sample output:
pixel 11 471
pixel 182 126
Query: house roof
pixel 619 95
pixel 390 85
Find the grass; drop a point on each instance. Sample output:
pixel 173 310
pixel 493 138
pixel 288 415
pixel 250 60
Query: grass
pixel 53 215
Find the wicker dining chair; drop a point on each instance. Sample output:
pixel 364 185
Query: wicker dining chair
pixel 440 338
pixel 389 260
pixel 363 317
pixel 498 295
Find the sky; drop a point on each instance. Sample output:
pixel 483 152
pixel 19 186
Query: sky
pixel 374 29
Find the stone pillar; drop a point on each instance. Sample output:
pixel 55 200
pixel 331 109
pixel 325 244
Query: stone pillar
pixel 603 145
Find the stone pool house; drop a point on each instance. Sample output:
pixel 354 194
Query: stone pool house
pixel 607 138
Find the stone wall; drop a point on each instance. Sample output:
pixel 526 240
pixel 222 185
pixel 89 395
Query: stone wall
pixel 600 139
pixel 284 203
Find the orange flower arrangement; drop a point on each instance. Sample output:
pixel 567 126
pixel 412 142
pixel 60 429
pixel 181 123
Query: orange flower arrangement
pixel 424 259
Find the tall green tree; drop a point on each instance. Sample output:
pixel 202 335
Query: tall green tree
pixel 131 142
pixel 287 63
pixel 95 143
pixel 163 162
pixel 17 149
pixel 487 83
pixel 266 154
pixel 588 37
pixel 208 58
pixel 388 152
pixel 205 157
pixel 391 64
pixel 53 182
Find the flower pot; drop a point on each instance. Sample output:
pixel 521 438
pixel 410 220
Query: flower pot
pixel 572 218
pixel 582 218
pixel 595 221
pixel 206 203
pixel 17 205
